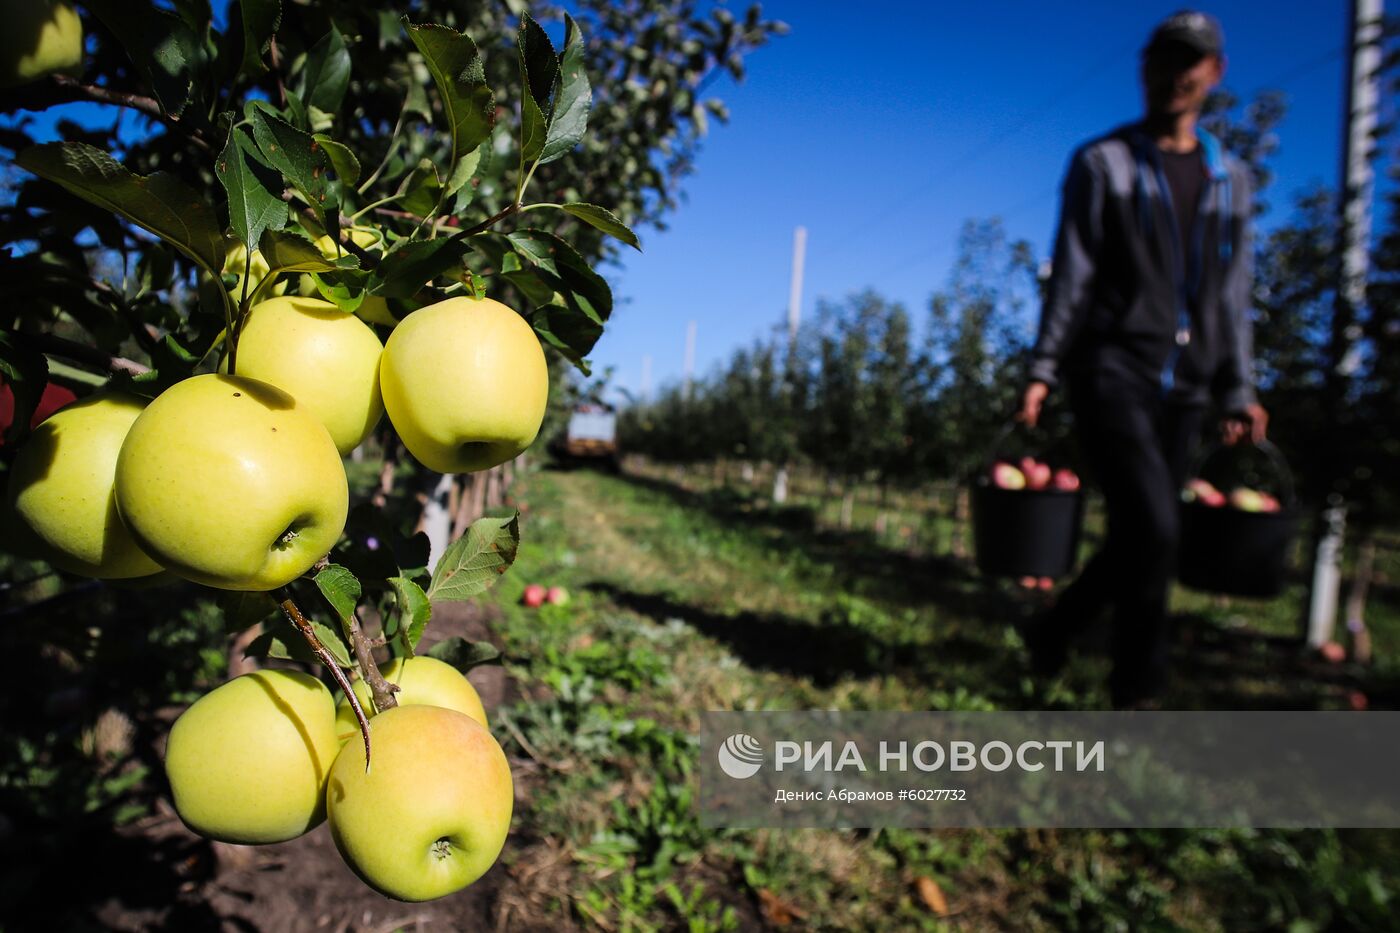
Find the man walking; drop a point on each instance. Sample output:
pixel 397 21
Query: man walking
pixel 1146 322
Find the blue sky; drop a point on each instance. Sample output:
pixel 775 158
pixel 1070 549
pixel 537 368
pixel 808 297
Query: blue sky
pixel 881 126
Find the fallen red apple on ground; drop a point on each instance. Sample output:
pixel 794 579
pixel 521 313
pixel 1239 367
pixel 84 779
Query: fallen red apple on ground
pixel 556 596
pixel 534 596
pixel 1358 701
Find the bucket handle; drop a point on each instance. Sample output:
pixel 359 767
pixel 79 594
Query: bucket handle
pixel 1271 453
pixel 1001 436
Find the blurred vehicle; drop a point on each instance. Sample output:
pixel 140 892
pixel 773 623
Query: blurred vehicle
pixel 590 438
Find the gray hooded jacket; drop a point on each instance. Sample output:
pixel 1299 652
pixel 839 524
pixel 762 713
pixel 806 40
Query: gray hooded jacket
pixel 1125 290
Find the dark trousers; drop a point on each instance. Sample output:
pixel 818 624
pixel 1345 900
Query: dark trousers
pixel 1139 447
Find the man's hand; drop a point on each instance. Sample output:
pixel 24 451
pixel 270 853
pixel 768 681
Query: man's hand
pixel 1031 402
pixel 1254 421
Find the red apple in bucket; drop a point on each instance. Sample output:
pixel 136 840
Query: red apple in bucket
pixel 1006 476
pixel 1065 480
pixel 1037 474
pixel 1198 490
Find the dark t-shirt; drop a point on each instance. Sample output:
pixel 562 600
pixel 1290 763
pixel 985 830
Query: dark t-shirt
pixel 1185 173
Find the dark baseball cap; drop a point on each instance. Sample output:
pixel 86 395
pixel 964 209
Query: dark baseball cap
pixel 1191 28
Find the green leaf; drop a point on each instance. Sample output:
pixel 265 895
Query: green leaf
pixel 465 171
pixel 573 96
pixel 26 372
pixel 159 203
pixel 467 100
pixel 347 167
pixel 409 265
pixel 535 289
pixel 252 208
pixel 301 159
pixel 568 331
pixel 245 610
pixel 162 46
pixel 345 290
pixel 476 560
pixel 341 589
pixel 411 554
pixel 260 21
pixel 326 75
pixel 282 640
pixel 289 251
pixel 415 610
pixel 561 267
pixel 420 192
pixel 538 68
pixel 605 220
pixel 465 655
pixel 534 129
pixel 538 63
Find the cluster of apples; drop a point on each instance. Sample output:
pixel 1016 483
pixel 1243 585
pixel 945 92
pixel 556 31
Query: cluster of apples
pixel 1032 474
pixel 536 595
pixel 269 756
pixel 1241 497
pixel 237 482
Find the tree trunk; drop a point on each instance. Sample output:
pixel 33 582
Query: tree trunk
pixel 960 511
pixel 780 486
pixel 1356 599
pixel 495 490
pixel 848 502
pixel 469 508
pixel 436 520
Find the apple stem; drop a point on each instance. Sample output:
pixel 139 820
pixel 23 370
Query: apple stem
pixel 293 613
pixel 380 689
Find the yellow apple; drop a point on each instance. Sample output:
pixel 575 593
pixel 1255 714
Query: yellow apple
pixel 235 261
pixel 465 383
pixel 423 681
pixel 40 37
pixel 228 482
pixel 61 489
pixel 432 813
pixel 373 309
pixel 248 761
pixel 324 358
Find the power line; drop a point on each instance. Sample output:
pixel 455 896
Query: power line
pixel 1028 118
pixel 1277 82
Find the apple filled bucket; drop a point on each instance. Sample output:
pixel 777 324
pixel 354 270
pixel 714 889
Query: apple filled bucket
pixel 1236 537
pixel 1026 518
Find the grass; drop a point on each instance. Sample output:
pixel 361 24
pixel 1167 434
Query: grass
pixel 687 600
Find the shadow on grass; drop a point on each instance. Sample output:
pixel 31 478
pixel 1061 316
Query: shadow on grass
pixel 1220 668
pixel 1214 667
pixel 862 563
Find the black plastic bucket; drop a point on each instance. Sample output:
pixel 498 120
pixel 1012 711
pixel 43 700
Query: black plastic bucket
pixel 1025 532
pixel 1235 553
